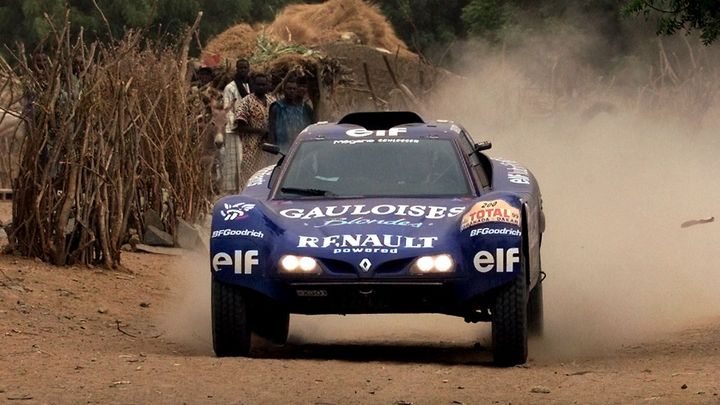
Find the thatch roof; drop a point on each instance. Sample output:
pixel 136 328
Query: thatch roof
pixel 335 20
pixel 236 42
pixel 311 25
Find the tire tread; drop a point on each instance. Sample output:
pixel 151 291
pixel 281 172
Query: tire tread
pixel 509 324
pixel 230 327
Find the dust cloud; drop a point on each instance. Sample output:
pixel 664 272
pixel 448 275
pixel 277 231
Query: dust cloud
pixel 620 168
pixel 185 317
pixel 621 164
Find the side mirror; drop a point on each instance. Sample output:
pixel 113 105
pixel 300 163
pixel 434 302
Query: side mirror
pixel 484 145
pixel 273 175
pixel 270 148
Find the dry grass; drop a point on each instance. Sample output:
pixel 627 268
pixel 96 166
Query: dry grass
pixel 352 21
pixel 315 24
pixel 234 43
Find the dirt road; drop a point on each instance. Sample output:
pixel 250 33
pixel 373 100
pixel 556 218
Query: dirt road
pixel 91 336
pixel 633 313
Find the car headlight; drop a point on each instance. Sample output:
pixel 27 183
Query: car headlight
pixel 298 265
pixel 433 264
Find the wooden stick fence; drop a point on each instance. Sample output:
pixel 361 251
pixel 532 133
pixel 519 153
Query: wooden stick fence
pixel 112 131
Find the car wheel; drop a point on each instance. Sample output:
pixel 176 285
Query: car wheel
pixel 230 328
pixel 272 323
pixel 535 310
pixel 510 323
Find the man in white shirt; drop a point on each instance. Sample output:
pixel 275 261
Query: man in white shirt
pixel 238 88
pixel 231 152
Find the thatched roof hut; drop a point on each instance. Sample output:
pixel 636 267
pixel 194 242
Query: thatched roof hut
pixel 346 48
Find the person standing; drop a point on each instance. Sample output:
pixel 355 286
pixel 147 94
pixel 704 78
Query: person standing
pixel 238 88
pixel 288 116
pixel 251 117
pixel 304 96
pixel 231 149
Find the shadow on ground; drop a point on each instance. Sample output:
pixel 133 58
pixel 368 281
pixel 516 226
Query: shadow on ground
pixel 394 353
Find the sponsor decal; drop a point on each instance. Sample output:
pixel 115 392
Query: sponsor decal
pixel 241 262
pixel 259 177
pixel 491 211
pixel 517 173
pixel 455 128
pixel 501 260
pixel 426 211
pixel 362 132
pixel 401 140
pixel 236 212
pixel 366 250
pixel 353 141
pixel 237 232
pixel 380 140
pixel 368 221
pixel 490 231
pixel 367 243
pixel 311 293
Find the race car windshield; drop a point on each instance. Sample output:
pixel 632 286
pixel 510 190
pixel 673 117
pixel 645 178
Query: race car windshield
pixel 374 168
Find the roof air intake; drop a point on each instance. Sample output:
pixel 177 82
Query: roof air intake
pixel 381 120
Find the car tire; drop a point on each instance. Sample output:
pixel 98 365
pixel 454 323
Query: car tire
pixel 535 311
pixel 273 324
pixel 230 327
pixel 510 323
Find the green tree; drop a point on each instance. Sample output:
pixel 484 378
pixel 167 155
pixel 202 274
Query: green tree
pixel 677 15
pixel 24 20
pixel 427 26
pixel 172 17
pixel 483 16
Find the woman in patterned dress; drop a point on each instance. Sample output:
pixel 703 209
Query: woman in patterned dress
pixel 251 116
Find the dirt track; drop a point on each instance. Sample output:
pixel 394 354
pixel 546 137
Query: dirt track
pixel 632 318
pixel 92 336
pixel 634 314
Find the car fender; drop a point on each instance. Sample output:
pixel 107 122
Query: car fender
pixel 241 241
pixel 491 240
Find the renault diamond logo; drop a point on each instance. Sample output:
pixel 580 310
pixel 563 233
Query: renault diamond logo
pixel 365 264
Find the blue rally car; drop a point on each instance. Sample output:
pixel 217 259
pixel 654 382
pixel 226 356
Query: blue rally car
pixel 380 213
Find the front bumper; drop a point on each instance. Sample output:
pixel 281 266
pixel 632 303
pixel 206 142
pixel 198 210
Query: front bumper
pixel 452 296
pixel 370 297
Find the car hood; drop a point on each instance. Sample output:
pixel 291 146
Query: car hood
pixel 402 227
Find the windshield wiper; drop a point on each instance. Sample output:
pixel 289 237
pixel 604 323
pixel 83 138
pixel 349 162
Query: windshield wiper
pixel 307 191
